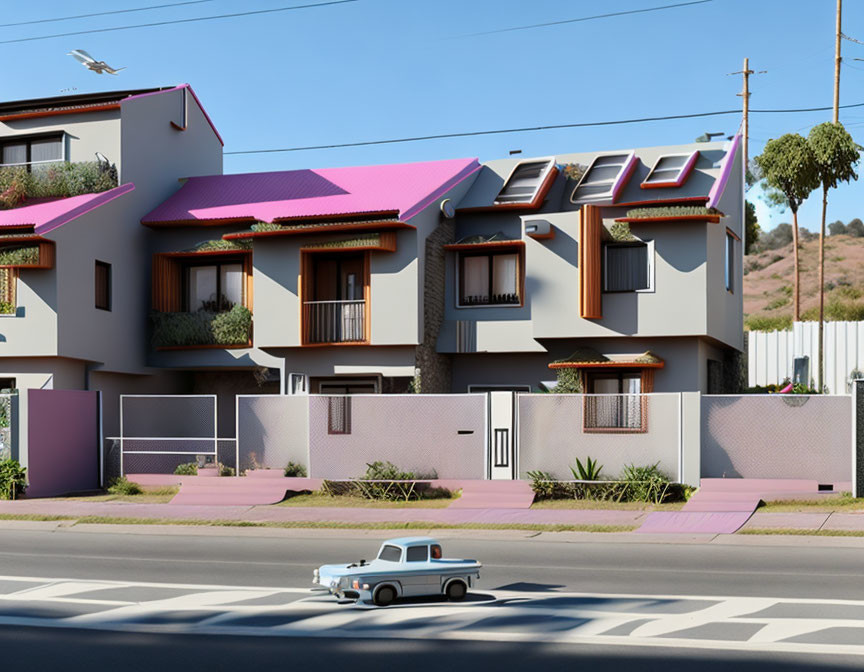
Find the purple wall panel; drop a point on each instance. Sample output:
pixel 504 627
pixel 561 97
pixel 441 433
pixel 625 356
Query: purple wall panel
pixel 63 442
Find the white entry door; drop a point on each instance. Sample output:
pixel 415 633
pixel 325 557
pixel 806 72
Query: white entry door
pixel 502 436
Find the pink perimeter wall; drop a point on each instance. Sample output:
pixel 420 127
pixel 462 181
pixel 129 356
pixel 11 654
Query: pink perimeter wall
pixel 62 441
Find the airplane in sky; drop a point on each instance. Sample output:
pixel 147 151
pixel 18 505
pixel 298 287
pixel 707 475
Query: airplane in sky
pixel 91 63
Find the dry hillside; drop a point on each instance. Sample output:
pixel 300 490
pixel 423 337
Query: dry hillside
pixel 768 283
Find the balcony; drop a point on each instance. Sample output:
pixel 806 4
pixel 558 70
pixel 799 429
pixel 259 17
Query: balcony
pixel 334 321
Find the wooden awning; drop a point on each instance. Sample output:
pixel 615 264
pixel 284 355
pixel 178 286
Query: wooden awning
pixel 588 358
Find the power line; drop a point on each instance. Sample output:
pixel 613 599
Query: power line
pixel 114 11
pixel 526 129
pixel 165 23
pixel 590 18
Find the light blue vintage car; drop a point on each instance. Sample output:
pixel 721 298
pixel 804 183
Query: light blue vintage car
pixel 405 567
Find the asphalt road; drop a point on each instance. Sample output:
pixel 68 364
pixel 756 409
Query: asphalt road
pixel 240 602
pixel 688 569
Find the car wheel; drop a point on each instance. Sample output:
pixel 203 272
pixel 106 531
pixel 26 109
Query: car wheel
pixel 456 591
pixel 384 596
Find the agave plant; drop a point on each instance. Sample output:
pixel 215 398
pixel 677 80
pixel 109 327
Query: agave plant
pixel 590 471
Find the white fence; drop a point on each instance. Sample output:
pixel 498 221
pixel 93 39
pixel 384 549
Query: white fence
pixel 771 355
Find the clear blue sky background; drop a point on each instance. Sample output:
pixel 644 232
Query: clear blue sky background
pixel 378 69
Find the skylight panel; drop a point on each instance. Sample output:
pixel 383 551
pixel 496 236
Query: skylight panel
pixel 670 170
pixel 604 178
pixel 525 182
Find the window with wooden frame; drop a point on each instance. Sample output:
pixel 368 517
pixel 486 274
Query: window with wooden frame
pixel 335 297
pixel 102 285
pixel 213 287
pixel 628 267
pixel 32 150
pixel 615 400
pixel 189 282
pixel 490 278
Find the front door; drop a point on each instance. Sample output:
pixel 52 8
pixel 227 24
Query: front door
pixel 502 436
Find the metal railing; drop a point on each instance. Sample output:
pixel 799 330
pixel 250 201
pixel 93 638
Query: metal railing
pixel 334 321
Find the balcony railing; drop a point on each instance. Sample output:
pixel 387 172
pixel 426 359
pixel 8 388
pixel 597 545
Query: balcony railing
pixel 334 321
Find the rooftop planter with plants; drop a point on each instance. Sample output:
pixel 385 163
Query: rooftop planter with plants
pixel 226 328
pixel 54 180
pixel 672 212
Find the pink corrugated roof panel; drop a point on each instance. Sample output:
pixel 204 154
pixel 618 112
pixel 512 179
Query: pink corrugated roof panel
pixel 48 215
pixel 404 188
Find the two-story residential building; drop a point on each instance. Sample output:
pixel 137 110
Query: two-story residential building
pixel 75 269
pixel 436 277
pixel 626 266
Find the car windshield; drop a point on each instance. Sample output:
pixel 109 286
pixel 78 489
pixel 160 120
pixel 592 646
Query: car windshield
pixel 390 553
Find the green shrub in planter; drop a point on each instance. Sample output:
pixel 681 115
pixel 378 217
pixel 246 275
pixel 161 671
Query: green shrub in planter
pixel 225 470
pixel 202 327
pixel 233 327
pixel 123 486
pixel 187 469
pixel 295 470
pixel 7 308
pixel 13 479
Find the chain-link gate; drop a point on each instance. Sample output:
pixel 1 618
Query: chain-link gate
pixel 160 432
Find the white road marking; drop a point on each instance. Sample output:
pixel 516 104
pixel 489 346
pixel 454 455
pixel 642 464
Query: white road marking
pixel 510 616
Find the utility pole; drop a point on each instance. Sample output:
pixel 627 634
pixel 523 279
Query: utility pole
pixel 837 60
pixel 745 110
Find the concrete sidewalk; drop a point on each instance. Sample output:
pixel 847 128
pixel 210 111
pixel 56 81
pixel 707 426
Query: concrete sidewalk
pixel 447 516
pixel 280 514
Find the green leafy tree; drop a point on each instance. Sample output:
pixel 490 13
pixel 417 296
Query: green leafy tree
pixel 790 170
pixel 779 236
pixel 751 227
pixel 855 228
pixel 836 154
pixel 837 228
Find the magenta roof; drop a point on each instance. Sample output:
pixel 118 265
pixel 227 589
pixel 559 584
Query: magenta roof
pixel 48 215
pixel 403 188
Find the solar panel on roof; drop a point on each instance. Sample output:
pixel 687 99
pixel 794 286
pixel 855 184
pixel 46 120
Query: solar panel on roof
pixel 525 181
pixel 670 170
pixel 604 178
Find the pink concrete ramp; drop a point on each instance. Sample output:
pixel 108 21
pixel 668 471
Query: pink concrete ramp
pixel 723 505
pixel 493 495
pixel 243 491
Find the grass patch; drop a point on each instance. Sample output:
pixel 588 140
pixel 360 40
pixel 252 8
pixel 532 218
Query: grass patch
pixel 328 524
pixel 151 495
pixel 844 502
pixel 38 517
pixel 804 533
pixel 317 499
pixel 589 504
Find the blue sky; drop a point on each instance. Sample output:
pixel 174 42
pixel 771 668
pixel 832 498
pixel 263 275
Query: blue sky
pixel 377 69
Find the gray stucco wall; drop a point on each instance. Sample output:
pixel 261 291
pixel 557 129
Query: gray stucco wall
pixel 686 361
pixel 86 134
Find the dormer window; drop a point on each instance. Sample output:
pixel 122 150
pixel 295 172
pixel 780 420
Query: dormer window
pixel 670 171
pixel 32 150
pixel 527 184
pixel 604 179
